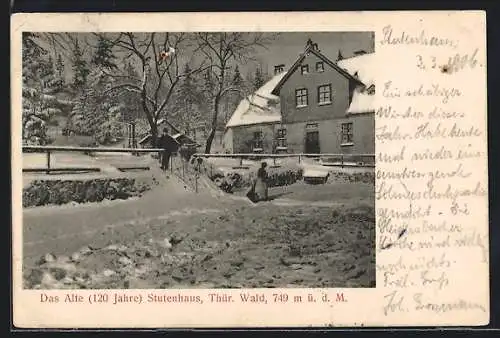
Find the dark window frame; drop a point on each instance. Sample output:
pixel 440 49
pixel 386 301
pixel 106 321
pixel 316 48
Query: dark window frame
pixel 312 126
pixel 301 95
pixel 282 143
pixel 281 133
pixel 347 133
pixel 306 67
pixel 320 69
pixel 281 138
pixel 322 94
pixel 258 139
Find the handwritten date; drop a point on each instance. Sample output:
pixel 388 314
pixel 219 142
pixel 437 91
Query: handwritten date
pixel 454 63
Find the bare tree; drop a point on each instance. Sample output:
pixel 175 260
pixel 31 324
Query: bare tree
pixel 221 50
pixel 159 58
pixel 65 43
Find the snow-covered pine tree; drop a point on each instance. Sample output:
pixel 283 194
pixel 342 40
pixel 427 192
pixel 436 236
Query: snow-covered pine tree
pixel 104 56
pixel 59 74
pixel 82 116
pixel 234 97
pixel 237 78
pixel 208 89
pixel 188 101
pixel 240 84
pixel 96 112
pixel 80 68
pixel 258 80
pixel 130 100
pixel 48 76
pixel 37 76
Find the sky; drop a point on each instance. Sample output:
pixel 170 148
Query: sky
pixel 287 46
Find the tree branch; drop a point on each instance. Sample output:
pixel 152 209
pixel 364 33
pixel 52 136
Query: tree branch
pixel 231 89
pixel 129 87
pixel 120 76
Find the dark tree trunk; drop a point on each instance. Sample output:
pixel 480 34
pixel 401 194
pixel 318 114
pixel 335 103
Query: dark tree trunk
pixel 210 139
pixel 154 135
pixel 213 126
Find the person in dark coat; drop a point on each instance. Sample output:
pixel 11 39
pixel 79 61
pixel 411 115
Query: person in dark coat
pixel 167 144
pixel 259 189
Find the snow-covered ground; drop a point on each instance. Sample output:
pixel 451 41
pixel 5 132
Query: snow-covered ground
pixel 305 163
pixel 307 236
pixel 108 163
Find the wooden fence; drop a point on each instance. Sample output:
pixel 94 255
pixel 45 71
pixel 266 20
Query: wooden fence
pixel 182 168
pixel 51 149
pixel 342 160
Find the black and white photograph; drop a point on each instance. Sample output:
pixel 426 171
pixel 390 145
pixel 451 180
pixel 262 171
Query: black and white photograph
pixel 198 160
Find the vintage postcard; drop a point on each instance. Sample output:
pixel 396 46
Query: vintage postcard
pixel 208 170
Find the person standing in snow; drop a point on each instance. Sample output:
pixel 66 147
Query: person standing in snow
pixel 166 143
pixel 260 190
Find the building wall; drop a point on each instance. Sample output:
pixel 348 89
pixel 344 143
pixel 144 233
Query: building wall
pixel 243 136
pixel 341 92
pixel 330 135
pixel 217 143
pixel 227 142
pixel 239 139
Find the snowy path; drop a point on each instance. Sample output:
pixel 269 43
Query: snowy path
pixel 63 229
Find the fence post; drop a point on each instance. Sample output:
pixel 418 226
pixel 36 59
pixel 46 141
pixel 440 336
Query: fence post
pixel 300 158
pixel 241 161
pixel 48 162
pixel 274 161
pixel 342 161
pixel 183 169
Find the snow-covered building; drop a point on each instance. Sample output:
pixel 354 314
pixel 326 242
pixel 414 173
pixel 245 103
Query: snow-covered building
pixel 316 106
pixel 251 127
pixel 144 135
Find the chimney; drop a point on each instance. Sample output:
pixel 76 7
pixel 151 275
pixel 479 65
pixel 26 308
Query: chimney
pixel 313 45
pixel 340 56
pixel 279 69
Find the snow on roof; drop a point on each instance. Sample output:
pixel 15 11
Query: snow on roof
pixel 257 108
pixel 362 102
pixel 363 64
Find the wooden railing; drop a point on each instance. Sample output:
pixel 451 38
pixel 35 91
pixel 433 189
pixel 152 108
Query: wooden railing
pixel 343 159
pixel 51 149
pixel 356 160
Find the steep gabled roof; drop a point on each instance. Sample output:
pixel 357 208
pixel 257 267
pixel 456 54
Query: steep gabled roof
pixel 302 56
pixel 162 120
pixel 258 107
pixel 363 65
